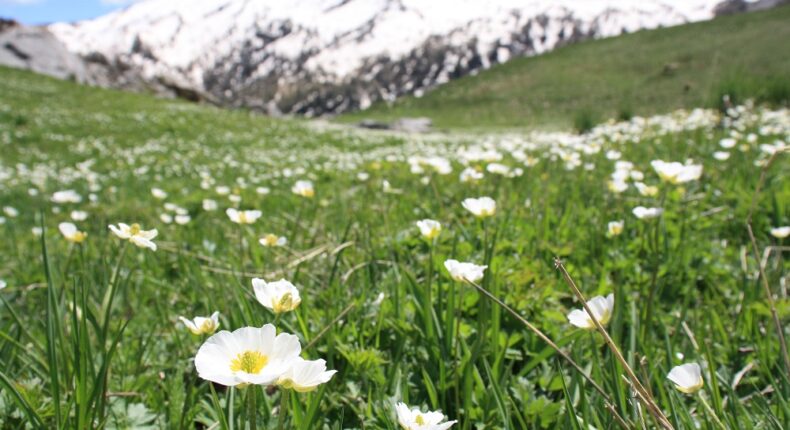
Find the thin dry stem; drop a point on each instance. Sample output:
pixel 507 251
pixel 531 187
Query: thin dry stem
pixel 555 347
pixel 756 251
pixel 644 395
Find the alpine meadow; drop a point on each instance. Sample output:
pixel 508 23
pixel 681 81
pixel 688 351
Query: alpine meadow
pixel 588 242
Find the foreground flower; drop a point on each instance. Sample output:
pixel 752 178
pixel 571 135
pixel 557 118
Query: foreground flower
pixel 70 232
pixel 305 376
pixel 464 271
pixel 135 234
pixel 780 232
pixel 602 311
pixel 243 217
pixel 429 228
pixel 202 325
pixel 482 207
pixel 249 355
pixel 279 296
pixel 614 228
pixel 642 212
pixel 686 377
pixel 413 419
pixel 304 189
pixel 271 240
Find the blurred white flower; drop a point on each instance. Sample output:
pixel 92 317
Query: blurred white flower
pixel 721 155
pixel 727 143
pixel 271 240
pixel 429 228
pixel 66 196
pixel 601 308
pixel 202 325
pixel 70 232
pixel 79 215
pixel 183 219
pixel 10 211
pixel 464 271
pixel 687 377
pixel 646 190
pixel 482 207
pixel 209 205
pixel 676 173
pixel 243 217
pixel 614 228
pixel 166 218
pixel 158 193
pixel 780 232
pixel 642 212
pixel 303 188
pixel 135 234
pixel 37 231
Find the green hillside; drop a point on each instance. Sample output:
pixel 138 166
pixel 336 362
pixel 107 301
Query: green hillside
pixel 637 74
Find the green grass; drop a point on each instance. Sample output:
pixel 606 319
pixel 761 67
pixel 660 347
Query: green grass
pixel 89 335
pixel 644 73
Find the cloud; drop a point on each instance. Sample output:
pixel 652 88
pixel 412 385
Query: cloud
pixel 116 2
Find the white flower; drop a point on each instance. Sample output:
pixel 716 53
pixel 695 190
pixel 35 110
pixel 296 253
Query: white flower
pixel 482 207
pixel 676 173
pixel 79 215
pixel 135 234
pixel 780 232
pixel 687 377
pixel 248 355
pixel 617 186
pixel 721 155
pixel 243 217
pixel 66 196
pixel 182 219
pixel 613 155
pixel 166 218
pixel 642 212
pixel 70 232
pixel 263 191
pixel 470 175
pixel 429 228
pixel 271 240
pixel 158 193
pixel 727 143
pixel 222 190
pixel 3 284
pixel 413 419
pixel 37 231
pixel 279 296
pixel 464 271
pixel 303 188
pixel 646 190
pixel 601 308
pixel 202 325
pixel 209 205
pixel 10 211
pixel 305 376
pixel 614 228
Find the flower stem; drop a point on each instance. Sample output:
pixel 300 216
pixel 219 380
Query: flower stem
pixel 284 395
pixel 710 411
pixel 252 413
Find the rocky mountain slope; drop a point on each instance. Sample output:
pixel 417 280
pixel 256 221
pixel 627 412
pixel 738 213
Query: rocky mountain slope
pixel 316 57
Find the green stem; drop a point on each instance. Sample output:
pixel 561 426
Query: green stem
pixel 284 395
pixel 429 296
pixel 710 411
pixel 252 413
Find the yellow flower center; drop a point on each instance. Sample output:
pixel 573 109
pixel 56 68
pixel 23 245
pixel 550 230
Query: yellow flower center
pixel 249 362
pixel 270 240
pixel 243 217
pixel 419 420
pixel 207 326
pixel 284 304
pixel 134 229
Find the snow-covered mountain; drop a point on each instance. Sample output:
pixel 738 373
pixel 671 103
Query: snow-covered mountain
pixel 315 57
